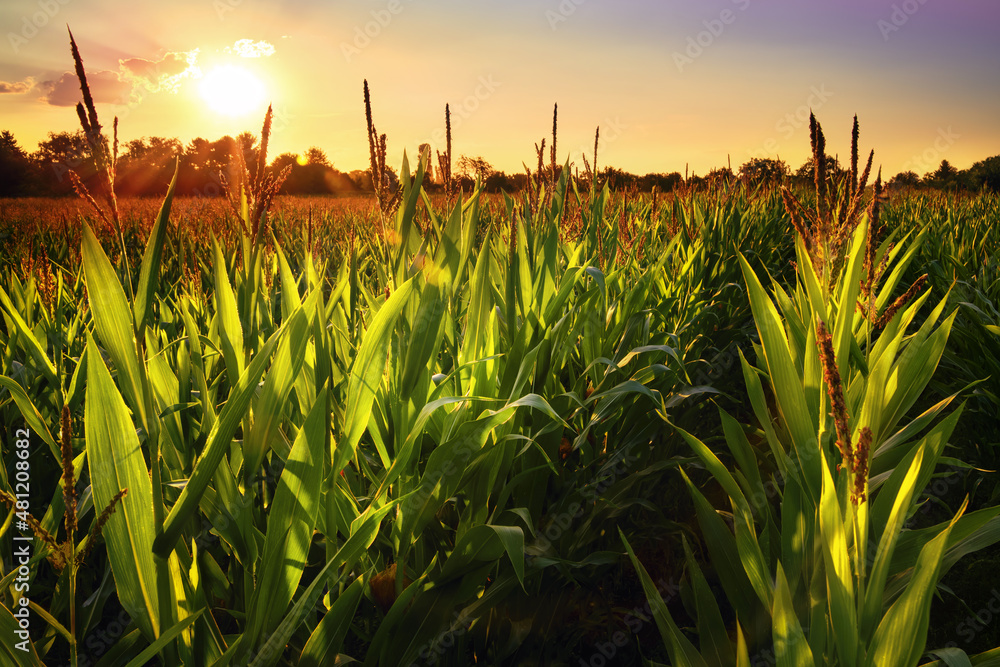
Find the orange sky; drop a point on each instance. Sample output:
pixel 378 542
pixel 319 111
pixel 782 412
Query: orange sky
pixel 670 83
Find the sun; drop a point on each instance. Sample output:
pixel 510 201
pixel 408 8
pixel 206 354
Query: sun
pixel 232 91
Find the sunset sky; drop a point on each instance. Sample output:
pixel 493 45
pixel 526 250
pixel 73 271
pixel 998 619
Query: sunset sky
pixel 669 82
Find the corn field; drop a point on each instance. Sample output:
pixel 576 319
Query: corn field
pixel 569 426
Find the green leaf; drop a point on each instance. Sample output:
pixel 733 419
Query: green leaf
pixel 365 532
pixel 725 556
pixel 117 462
pixel 483 544
pixel 153 650
pixel 27 338
pixel 952 657
pixel 218 444
pixel 10 648
pixel 902 634
pixel 839 578
pixel 327 639
pixel 291 520
pixel 230 328
pixel 712 638
pixel 148 274
pixel 275 394
pixel 790 645
pixel 112 319
pixel 682 651
pixel 875 586
pixel 32 417
pixel 367 372
pixel 785 380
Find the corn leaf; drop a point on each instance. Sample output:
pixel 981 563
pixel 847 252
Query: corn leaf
pixel 116 462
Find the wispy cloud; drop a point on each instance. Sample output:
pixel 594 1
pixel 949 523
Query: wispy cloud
pixel 247 48
pixel 16 87
pixel 105 86
pixel 134 76
pixel 165 74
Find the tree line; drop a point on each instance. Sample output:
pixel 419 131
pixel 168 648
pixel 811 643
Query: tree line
pixel 145 167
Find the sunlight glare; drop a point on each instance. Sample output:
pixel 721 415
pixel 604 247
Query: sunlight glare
pixel 232 91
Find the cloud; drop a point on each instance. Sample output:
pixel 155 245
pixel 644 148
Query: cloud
pixel 124 86
pixel 247 48
pixel 165 74
pixel 17 87
pixel 105 86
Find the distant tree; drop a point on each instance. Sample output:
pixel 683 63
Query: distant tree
pixel 60 153
pixel 663 182
pixel 807 172
pixel 517 182
pixel 18 176
pixel 945 172
pixel 616 178
pixel 695 181
pixel 474 167
pixel 498 181
pixel 986 174
pixel 146 166
pixel 316 156
pixel 761 170
pixel 720 176
pixel 905 179
pixel 284 160
pixel 362 179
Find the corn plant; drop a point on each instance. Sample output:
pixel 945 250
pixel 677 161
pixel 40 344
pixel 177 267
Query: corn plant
pixel 828 575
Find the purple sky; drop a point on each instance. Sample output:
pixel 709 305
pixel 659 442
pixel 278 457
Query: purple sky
pixel 670 83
